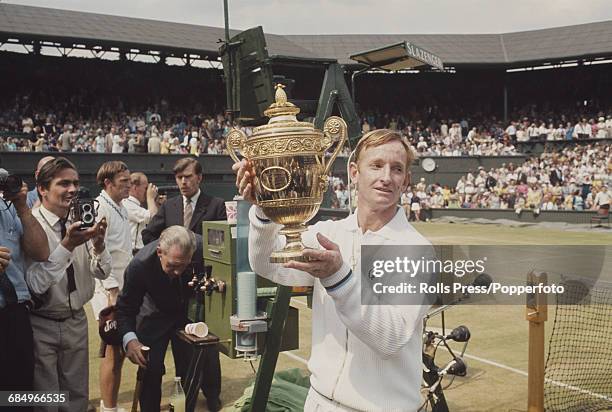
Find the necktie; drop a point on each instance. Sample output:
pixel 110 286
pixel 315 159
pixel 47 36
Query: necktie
pixel 70 270
pixel 7 288
pixel 187 213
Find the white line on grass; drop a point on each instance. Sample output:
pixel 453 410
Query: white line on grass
pixel 479 359
pixel 551 381
pixel 496 364
pixel 520 372
pixel 493 363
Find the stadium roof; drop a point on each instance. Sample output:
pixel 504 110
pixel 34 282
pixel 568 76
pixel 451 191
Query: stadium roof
pixel 584 41
pixel 105 30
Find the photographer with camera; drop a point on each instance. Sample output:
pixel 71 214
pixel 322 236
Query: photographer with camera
pixel 64 283
pixel 141 193
pixel 20 235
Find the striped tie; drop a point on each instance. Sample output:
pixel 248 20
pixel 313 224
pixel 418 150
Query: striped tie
pixel 187 213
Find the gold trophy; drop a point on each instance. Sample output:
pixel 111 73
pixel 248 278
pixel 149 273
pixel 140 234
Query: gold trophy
pixel 291 169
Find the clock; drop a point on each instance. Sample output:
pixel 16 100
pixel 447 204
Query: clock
pixel 428 164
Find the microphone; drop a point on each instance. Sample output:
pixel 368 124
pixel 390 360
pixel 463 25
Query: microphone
pixel 459 334
pixel 457 367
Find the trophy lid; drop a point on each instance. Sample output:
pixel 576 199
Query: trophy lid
pixel 281 107
pixel 282 114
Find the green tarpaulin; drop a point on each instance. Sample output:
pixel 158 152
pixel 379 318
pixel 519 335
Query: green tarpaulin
pixel 287 394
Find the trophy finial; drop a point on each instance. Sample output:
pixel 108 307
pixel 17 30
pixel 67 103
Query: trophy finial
pixel 280 96
pixel 281 107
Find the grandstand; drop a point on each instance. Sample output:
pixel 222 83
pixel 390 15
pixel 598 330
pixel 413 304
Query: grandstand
pixel 490 95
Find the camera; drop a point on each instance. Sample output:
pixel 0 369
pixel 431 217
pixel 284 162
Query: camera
pixel 167 190
pixel 10 184
pixel 84 209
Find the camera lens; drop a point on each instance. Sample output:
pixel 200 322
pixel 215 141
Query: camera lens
pixel 86 208
pixel 10 184
pixel 13 184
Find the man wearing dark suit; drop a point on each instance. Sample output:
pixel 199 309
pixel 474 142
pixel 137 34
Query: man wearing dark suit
pixel 521 177
pixel 189 210
pixel 152 305
pixel 556 177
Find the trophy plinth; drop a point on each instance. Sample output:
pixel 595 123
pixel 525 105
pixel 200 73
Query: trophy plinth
pixel 291 169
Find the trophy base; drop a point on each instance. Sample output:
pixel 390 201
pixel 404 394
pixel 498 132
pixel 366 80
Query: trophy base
pixel 294 248
pixel 284 256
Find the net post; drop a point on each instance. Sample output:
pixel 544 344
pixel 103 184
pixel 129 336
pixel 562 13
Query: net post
pixel 537 314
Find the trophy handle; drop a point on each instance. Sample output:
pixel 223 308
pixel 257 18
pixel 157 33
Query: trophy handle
pixel 235 141
pixel 334 129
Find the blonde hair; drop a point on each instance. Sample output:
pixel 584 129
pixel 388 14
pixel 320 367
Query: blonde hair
pixel 109 170
pixel 379 137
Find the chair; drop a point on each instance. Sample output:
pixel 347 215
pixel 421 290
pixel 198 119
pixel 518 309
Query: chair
pixel 601 216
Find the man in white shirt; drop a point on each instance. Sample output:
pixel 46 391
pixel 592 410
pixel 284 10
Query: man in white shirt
pixel 100 142
pixel 28 124
pixel 141 192
pixel 460 188
pixel 472 135
pixel 154 144
pixel 511 130
pixel 118 142
pixel 62 285
pixel 455 133
pixel 602 199
pixel 582 130
pixel 602 132
pixel 194 144
pixel 363 357
pixel 533 133
pixel 542 131
pixel 444 129
pixel 66 139
pixel 114 179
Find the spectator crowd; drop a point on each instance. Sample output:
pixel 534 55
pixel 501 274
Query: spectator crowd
pixel 157 129
pixel 575 178
pixel 490 137
pixel 147 132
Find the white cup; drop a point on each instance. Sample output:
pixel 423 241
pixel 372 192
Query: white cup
pixel 231 209
pixel 199 329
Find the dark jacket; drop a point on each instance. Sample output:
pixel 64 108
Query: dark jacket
pixel 555 177
pixel 165 304
pixel 171 213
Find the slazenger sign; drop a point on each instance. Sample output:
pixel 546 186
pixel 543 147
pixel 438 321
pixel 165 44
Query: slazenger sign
pixel 424 56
